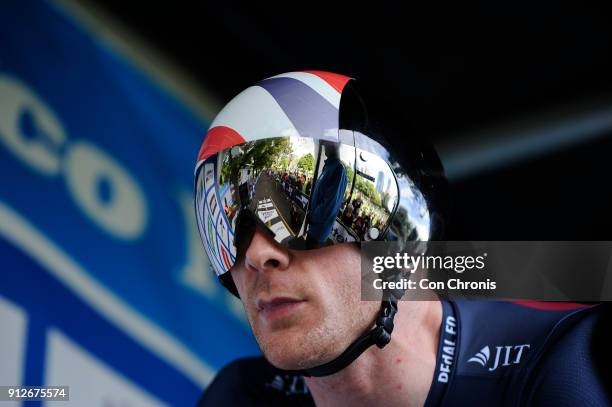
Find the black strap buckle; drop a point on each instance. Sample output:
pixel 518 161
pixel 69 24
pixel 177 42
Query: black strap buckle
pixel 384 323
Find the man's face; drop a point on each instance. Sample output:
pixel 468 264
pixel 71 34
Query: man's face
pixel 303 306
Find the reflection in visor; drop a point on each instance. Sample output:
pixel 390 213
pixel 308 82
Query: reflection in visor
pixel 273 179
pixel 327 196
pixel 308 193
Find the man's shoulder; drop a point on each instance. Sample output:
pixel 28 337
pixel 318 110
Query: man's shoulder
pixel 518 320
pixel 497 330
pixel 575 369
pixel 255 382
pixel 518 348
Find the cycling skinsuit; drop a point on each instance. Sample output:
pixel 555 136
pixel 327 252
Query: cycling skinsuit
pixel 489 353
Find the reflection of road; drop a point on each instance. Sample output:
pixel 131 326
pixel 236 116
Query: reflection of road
pixel 266 188
pixel 273 207
pixel 269 199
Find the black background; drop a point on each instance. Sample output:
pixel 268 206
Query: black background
pixel 445 71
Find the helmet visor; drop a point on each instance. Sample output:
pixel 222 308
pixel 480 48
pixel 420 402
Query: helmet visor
pixel 306 193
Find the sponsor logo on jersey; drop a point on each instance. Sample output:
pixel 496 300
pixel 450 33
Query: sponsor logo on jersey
pixel 448 349
pixel 505 355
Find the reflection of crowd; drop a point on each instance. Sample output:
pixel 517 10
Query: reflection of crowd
pixel 358 220
pixel 229 210
pixel 293 182
pixel 296 217
pixel 355 215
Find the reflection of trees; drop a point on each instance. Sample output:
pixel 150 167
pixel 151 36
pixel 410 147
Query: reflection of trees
pixel 306 163
pixel 258 155
pixel 368 189
pixel 283 163
pixel 365 186
pixel 385 199
pixel 402 228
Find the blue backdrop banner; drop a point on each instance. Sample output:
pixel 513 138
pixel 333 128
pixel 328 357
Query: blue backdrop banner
pixel 104 286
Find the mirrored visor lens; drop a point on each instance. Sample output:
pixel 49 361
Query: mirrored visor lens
pixel 305 193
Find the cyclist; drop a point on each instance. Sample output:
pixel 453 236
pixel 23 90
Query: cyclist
pixel 304 305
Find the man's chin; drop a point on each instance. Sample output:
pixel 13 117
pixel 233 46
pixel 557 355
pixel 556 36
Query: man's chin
pixel 295 361
pixel 295 354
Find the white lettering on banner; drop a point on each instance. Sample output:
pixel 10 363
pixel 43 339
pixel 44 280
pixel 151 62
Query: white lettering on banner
pixel 94 382
pixel 14 322
pixel 108 195
pixel 19 232
pixel 123 212
pixel 101 187
pixel 29 128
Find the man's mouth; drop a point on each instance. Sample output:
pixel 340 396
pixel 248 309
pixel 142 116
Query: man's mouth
pixel 278 307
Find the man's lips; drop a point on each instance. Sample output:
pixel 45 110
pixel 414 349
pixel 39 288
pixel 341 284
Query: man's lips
pixel 278 306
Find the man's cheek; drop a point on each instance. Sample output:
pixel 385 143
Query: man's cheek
pixel 251 314
pixel 238 278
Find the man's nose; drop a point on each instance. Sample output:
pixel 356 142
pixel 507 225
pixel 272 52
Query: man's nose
pixel 264 254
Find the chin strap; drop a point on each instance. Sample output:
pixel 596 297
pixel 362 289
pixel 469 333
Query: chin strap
pixel 380 336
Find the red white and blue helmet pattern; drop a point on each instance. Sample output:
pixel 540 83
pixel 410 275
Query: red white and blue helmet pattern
pixel 293 104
